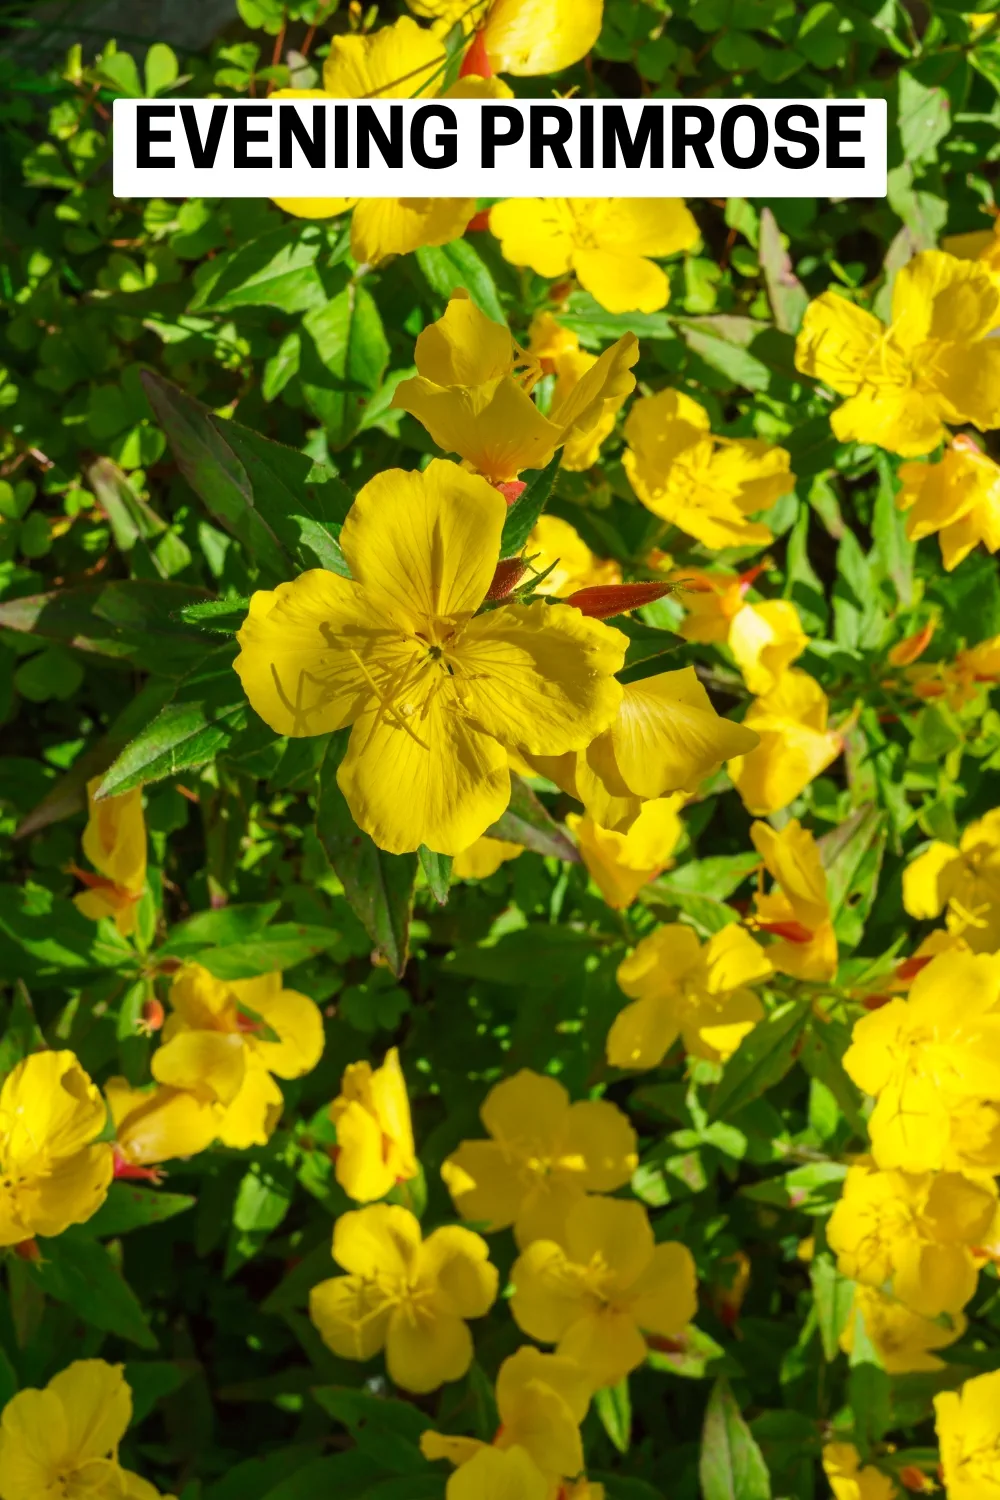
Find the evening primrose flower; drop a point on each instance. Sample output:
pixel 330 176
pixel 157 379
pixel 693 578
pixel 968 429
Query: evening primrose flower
pixel 979 244
pixel 620 864
pixel 498 1474
pixel 401 61
pixel 933 364
pixel 404 1294
pixel 557 550
pixel 606 242
pixel 903 1340
pixel 913 1233
pixel 794 747
pixel 523 37
pixel 436 696
pixel 765 636
pixel 597 1289
pixel 154 1125
pixel 375 1148
pixel 964 882
pixel 797 908
pixel 968 1430
pixel 484 858
pixel 707 486
pixel 225 1038
pixel 53 1171
pixel 472 393
pixel 849 1480
pixel 544 1154
pixel 114 842
pixel 63 1440
pixel 666 738
pixel 958 497
pixel 932 1061
pixel 681 988
pixel 541 1401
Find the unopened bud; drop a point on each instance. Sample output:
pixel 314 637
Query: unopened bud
pixel 511 489
pixel 607 600
pixel 479 221
pixel 151 1017
pixel 912 1478
pixel 911 967
pixel 476 62
pixel 506 578
pixel 907 651
pixel 28 1250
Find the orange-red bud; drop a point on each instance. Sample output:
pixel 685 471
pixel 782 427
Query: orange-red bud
pixel 28 1250
pixel 914 1479
pixel 511 489
pixel 506 578
pixel 910 967
pixel 611 599
pixel 481 220
pixel 476 62
pixel 153 1016
pixel 907 651
pixel 791 931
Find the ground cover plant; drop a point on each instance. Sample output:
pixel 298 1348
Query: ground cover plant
pixel 501 918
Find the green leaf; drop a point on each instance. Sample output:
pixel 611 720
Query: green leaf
pixel 344 357
pixel 387 1430
pixel 787 295
pixel 218 929
pixel 447 268
pixel 379 886
pixel 20 1033
pixel 834 1297
pixel 692 1354
pixel 160 69
pixel 130 620
pixel 345 1475
pixel 824 1047
pixel 730 1465
pixel 201 719
pixel 280 946
pixel 43 935
pixel 924 117
pixel 727 357
pixel 277 269
pixel 79 1271
pixel 262 1201
pixel 614 1408
pixel 128 1207
pixel 846 852
pixel 763 1057
pixel 526 822
pixel 221 616
pixel 282 365
pixel 522 515
pixel 868 1390
pixel 437 871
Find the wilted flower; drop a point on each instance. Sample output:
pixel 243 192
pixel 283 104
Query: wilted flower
pixel 682 988
pixel 404 1294
pixel 64 1439
pixel 225 1038
pixel 375 1148
pixel 606 242
pixel 620 864
pixel 596 1289
pixel 436 696
pixel 544 1154
pixel 707 486
pixel 796 910
pixel 114 842
pixel 933 364
pixel 965 882
pixel 795 744
pixel 53 1171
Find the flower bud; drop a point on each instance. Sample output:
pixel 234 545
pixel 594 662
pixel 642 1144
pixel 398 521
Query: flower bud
pixel 607 600
pixel 476 62
pixel 506 578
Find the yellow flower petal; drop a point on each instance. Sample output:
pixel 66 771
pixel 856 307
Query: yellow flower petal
pixel 498 1474
pixel 483 858
pixel 399 61
pixel 395 226
pixel 667 735
pixel 464 347
pixel 251 1118
pixel 496 427
pixel 621 283
pixel 351 1315
pixel 530 37
pixel 383 1239
pixel 215 1061
pixel 423 1353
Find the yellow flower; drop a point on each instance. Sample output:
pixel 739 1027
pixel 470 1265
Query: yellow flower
pixel 224 1040
pixel 52 1174
pixel 707 486
pixel 155 1125
pixel 933 364
pixel 666 738
pixel 932 1061
pixel 484 858
pixel 968 1429
pixel 541 1401
pixel 913 1233
pixel 620 864
pixel 555 544
pixel 114 842
pixel 903 1340
pixel 498 1474
pixel 544 1155
pixel 849 1481
pixel 404 1294
pixel 401 61
pixel 958 497
pixel 796 909
pixel 523 37
pixel 472 393
pixel 606 242
pixel 681 988
pixel 765 637
pixel 964 881
pixel 547 338
pixel 598 1288
pixel 436 697
pixel 375 1147
pixel 980 244
pixel 63 1440
pixel 795 744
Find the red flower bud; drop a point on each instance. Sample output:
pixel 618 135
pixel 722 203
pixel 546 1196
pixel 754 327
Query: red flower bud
pixel 506 578
pixel 616 598
pixel 476 62
pixel 481 220
pixel 910 967
pixel 791 931
pixel 28 1250
pixel 152 1016
pixel 511 489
